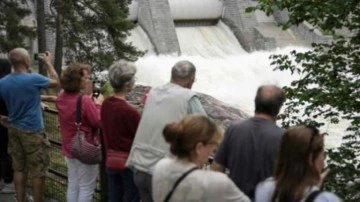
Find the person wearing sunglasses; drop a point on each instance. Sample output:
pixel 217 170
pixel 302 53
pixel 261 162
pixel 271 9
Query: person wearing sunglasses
pixel 299 171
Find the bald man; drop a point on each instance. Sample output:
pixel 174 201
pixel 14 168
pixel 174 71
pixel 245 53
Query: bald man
pixel 28 144
pixel 164 104
pixel 250 147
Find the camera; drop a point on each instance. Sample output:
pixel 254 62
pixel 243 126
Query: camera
pixel 96 88
pixel 38 56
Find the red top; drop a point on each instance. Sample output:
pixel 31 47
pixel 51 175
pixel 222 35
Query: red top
pixel 120 121
pixel 90 118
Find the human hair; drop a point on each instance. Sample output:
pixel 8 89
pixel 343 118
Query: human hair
pixel 5 67
pixel 18 56
pixel 269 99
pixel 121 74
pixel 295 168
pixel 183 70
pixel 71 78
pixel 184 135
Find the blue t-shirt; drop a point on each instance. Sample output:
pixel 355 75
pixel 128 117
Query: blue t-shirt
pixel 21 94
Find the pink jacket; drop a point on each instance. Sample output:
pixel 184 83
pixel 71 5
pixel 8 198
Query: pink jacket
pixel 90 119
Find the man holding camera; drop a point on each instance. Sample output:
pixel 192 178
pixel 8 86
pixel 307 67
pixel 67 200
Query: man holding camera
pixel 28 144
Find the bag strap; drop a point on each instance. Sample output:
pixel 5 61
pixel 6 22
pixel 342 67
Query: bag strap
pixel 168 196
pixel 313 195
pixel 78 111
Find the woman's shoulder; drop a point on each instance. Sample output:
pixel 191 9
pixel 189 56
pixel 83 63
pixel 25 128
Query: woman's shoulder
pixel 268 183
pixel 264 190
pixel 326 196
pixel 219 186
pixel 214 178
pixel 163 164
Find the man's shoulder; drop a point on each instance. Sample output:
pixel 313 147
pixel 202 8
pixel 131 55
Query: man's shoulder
pixel 5 78
pixel 255 125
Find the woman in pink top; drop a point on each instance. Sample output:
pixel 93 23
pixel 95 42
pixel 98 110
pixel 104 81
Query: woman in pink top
pixel 81 177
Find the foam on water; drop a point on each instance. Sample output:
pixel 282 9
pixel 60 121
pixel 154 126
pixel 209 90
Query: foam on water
pixel 224 70
pixel 233 79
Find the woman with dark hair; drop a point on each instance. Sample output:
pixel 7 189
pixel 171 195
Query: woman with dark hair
pixel 192 140
pixel 81 177
pixel 6 172
pixel 299 170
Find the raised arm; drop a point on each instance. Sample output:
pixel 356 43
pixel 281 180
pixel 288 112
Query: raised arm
pixel 52 74
pixel 48 98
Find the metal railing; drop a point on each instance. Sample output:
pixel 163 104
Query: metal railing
pixel 56 182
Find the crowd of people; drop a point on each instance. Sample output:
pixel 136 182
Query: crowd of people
pixel 158 155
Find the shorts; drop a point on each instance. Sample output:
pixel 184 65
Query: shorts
pixel 29 151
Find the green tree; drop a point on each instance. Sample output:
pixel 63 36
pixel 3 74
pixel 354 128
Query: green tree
pixel 40 29
pixel 94 31
pixel 12 32
pixel 329 85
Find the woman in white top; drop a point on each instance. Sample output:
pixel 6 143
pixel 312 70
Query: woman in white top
pixel 299 170
pixel 192 140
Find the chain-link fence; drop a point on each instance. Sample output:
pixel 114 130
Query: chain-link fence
pixel 56 182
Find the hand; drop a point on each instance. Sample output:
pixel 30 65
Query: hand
pixel 4 120
pixel 98 100
pixel 46 58
pixel 323 175
pixel 44 106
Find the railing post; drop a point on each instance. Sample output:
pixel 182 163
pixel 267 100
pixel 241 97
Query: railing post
pixel 103 176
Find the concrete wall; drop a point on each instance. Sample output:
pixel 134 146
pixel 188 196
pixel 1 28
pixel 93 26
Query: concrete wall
pixel 155 18
pixel 240 22
pixel 263 42
pixel 304 31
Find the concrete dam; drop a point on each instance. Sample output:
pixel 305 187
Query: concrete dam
pixel 206 27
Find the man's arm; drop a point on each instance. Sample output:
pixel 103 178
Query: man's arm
pixel 195 106
pixel 217 167
pixel 4 121
pixel 48 98
pixel 222 153
pixel 52 74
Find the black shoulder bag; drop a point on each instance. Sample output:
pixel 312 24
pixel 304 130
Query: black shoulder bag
pixel 168 196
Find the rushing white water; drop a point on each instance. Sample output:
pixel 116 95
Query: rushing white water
pixel 208 41
pixel 224 70
pixel 140 40
pixel 232 79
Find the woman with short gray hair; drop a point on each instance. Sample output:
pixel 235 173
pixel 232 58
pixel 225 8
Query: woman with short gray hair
pixel 120 121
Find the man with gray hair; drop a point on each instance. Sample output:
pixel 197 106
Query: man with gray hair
pixel 28 144
pixel 165 104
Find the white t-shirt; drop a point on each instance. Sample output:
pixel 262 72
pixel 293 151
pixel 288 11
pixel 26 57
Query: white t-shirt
pixel 199 185
pixel 265 190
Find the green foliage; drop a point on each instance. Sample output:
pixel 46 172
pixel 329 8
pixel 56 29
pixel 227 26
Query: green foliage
pixel 329 84
pixel 12 32
pixel 106 89
pixel 325 14
pixel 95 32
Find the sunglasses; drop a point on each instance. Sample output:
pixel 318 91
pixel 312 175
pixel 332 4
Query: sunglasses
pixel 314 132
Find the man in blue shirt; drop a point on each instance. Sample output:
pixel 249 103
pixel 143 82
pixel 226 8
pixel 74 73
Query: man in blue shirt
pixel 28 144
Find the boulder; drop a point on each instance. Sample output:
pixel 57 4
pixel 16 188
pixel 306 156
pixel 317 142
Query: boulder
pixel 220 112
